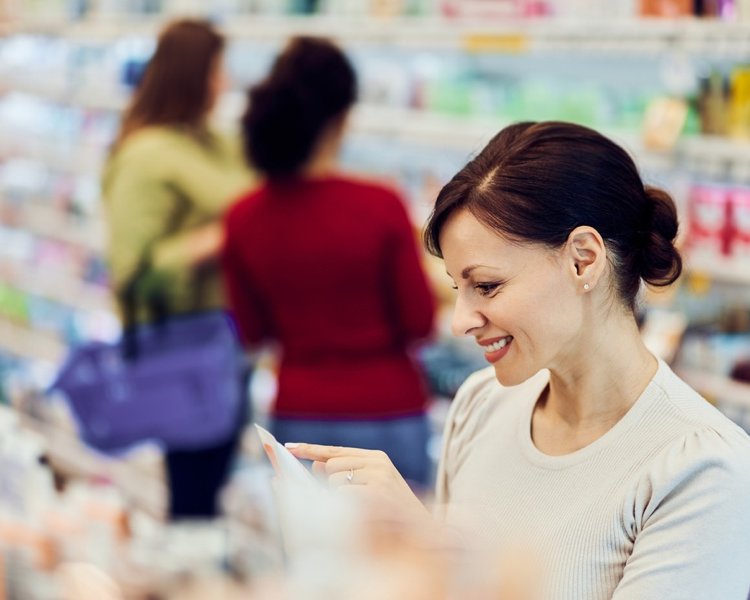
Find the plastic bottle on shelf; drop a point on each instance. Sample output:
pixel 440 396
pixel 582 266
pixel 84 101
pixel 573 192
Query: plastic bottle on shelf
pixel 739 103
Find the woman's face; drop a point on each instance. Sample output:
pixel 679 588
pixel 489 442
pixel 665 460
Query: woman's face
pixel 218 81
pixel 520 301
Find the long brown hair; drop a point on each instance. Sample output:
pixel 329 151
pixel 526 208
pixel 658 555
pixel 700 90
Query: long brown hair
pixel 174 89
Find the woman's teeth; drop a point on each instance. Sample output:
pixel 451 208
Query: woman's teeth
pixel 499 345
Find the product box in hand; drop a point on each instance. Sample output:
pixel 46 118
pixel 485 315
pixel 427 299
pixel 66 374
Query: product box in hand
pixel 311 515
pixel 287 467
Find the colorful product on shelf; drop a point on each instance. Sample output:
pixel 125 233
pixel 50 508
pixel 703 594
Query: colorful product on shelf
pixel 740 204
pixel 709 231
pixel 719 226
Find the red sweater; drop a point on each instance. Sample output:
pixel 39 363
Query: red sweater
pixel 329 269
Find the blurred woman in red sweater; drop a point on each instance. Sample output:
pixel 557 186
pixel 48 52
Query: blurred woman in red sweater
pixel 326 265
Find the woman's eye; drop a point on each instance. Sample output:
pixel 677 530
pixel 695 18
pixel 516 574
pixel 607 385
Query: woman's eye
pixel 454 287
pixel 485 289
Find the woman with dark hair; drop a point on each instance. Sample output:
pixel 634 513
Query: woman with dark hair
pixel 166 185
pixel 326 266
pixel 576 444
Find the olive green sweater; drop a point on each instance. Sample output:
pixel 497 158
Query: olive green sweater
pixel 160 184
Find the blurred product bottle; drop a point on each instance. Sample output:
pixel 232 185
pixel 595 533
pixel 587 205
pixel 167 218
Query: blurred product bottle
pixel 739 103
pixel 713 103
pixel 666 8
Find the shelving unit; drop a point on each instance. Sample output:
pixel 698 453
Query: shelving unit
pixel 45 221
pixel 718 387
pixel 440 33
pixel 702 152
pixel 24 343
pixel 59 286
pixel 725 271
pixel 391 122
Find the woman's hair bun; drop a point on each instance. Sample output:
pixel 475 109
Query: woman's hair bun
pixel 661 263
pixel 310 84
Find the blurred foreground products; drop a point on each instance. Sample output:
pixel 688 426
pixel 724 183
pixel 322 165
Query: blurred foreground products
pixel 88 542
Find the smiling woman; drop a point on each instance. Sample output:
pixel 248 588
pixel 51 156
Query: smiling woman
pixel 576 445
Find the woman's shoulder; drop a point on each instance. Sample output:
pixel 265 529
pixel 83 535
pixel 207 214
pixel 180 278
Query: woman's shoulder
pixel 693 414
pixel 701 470
pixel 153 136
pixel 693 444
pixel 167 143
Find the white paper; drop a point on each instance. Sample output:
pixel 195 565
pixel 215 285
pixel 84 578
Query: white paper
pixel 286 465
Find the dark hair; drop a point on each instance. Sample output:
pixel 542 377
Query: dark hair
pixel 310 84
pixel 174 89
pixel 538 181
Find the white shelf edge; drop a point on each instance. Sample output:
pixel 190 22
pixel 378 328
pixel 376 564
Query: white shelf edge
pixel 430 31
pixel 406 124
pixel 80 160
pixel 93 97
pixel 719 387
pixel 58 287
pixel 719 269
pixel 48 223
pixel 29 344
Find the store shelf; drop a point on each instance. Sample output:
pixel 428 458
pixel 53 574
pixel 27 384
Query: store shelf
pixel 718 387
pixel 137 475
pixel 701 154
pixel 719 270
pixel 28 344
pixel 708 37
pixel 58 286
pixel 425 127
pixel 706 154
pixel 79 160
pixel 48 222
pixel 92 97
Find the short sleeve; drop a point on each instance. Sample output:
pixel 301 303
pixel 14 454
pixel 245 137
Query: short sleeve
pixel 691 522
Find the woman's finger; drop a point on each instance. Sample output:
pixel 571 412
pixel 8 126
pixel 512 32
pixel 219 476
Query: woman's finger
pixel 348 477
pixel 319 468
pixel 324 453
pixel 344 463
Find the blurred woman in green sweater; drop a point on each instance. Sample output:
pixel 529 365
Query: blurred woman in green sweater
pixel 167 182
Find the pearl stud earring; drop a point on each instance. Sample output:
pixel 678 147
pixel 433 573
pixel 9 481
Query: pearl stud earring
pixel 586 286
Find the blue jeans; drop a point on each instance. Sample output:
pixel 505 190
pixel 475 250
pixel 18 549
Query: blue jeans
pixel 403 439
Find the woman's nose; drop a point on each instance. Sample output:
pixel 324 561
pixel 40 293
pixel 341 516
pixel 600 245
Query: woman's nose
pixel 465 319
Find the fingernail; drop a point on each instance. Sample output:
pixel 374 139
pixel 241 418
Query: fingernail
pixel 291 445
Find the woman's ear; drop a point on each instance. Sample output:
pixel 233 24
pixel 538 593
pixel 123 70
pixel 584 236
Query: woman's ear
pixel 586 253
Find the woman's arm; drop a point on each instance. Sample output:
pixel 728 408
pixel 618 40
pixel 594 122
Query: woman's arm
pixel 692 523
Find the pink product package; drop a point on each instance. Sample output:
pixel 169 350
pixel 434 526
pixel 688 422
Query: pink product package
pixel 709 227
pixel 740 224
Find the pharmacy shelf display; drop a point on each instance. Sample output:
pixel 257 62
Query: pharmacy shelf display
pixel 700 36
pixel 431 86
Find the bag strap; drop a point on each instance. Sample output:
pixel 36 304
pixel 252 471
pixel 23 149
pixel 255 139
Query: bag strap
pixel 156 300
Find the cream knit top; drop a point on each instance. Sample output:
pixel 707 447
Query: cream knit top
pixel 658 507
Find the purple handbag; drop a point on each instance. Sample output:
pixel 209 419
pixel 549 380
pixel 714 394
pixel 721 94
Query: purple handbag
pixel 176 381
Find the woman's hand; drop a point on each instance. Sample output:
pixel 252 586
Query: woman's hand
pixel 191 248
pixel 367 472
